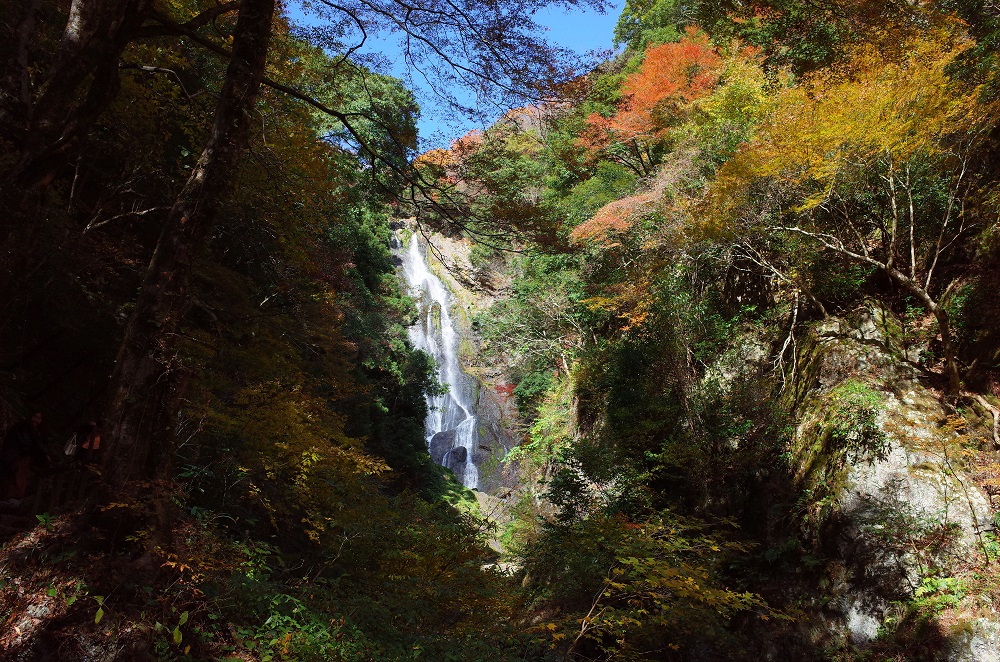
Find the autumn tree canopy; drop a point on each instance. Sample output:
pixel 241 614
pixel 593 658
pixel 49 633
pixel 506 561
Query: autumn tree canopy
pixel 717 278
pixel 872 162
pixel 655 98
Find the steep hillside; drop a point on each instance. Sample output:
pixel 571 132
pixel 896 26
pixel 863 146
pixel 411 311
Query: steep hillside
pixel 746 320
pixel 707 332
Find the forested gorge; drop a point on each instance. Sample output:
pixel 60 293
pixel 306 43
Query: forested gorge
pixel 732 292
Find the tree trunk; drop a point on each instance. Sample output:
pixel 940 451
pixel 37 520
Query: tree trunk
pixel 147 381
pixel 948 347
pixel 81 81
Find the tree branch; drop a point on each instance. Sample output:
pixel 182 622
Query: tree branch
pixel 162 70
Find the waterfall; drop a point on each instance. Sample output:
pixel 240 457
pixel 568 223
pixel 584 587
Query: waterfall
pixel 451 430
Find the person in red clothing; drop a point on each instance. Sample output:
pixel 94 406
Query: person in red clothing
pixel 88 440
pixel 21 457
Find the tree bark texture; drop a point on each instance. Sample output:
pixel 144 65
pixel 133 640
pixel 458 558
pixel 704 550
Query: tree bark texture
pixel 148 378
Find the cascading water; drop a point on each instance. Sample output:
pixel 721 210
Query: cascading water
pixel 451 428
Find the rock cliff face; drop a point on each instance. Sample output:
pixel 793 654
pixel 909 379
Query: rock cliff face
pixel 889 504
pixel 494 407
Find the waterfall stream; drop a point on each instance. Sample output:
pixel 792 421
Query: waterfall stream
pixel 451 429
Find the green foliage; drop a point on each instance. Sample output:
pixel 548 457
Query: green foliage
pixel 723 121
pixel 610 182
pixel 45 519
pixel 537 330
pixel 790 32
pixel 649 22
pixel 854 422
pixel 671 328
pixel 963 306
pixel 404 575
pixel 552 430
pixel 506 175
pixel 979 65
pixel 649 316
pixel 936 594
pixel 293 630
pixel 306 520
pixel 627 587
pixel 838 280
pixel 530 389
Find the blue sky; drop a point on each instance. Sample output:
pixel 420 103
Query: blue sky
pixel 582 30
pixel 579 30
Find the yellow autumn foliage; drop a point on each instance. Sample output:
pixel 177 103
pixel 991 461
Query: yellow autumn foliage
pixel 873 107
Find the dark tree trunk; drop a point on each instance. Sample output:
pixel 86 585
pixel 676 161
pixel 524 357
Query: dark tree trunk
pixel 148 377
pixel 45 121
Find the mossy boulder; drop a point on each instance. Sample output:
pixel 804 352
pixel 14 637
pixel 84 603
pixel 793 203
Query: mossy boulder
pixel 887 499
